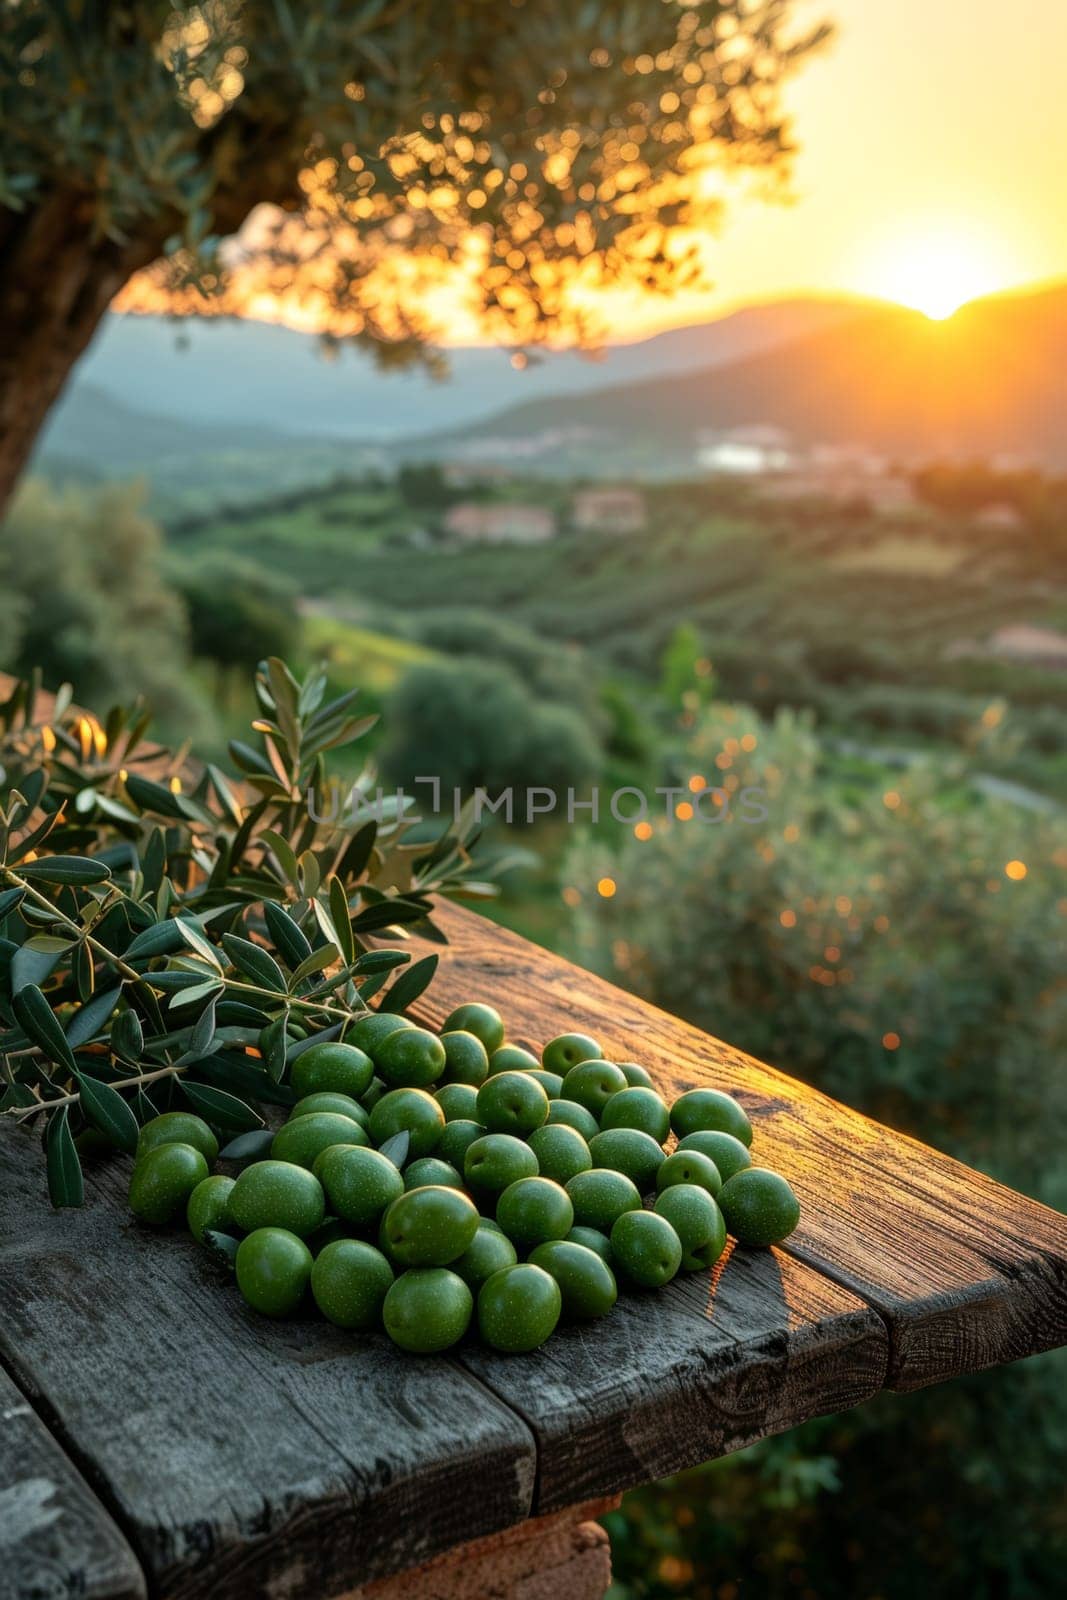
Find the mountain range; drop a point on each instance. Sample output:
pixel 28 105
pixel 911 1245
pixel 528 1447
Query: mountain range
pixel 171 400
pixel 990 381
pixel 230 375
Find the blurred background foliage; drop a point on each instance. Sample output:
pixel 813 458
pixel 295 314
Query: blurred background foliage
pixel 85 595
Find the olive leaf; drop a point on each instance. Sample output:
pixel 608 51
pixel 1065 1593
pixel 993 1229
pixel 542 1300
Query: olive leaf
pixel 127 1036
pixel 396 1149
pixel 248 1146
pixel 383 961
pixel 65 1184
pixel 66 869
pixel 198 941
pixel 255 962
pixel 36 960
pixel 274 1057
pixel 222 1247
pixel 317 961
pixel 411 984
pixel 358 853
pixel 298 1047
pixel 222 1110
pixel 39 1023
pixel 92 1017
pixel 202 1034
pixel 10 899
pixel 162 939
pixel 108 1112
pixel 82 971
pixel 288 936
pixel 342 918
pixel 387 914
pixel 154 860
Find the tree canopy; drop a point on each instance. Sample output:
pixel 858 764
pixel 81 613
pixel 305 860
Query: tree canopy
pixel 526 142
pixel 531 147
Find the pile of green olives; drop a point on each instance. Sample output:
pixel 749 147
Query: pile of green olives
pixel 433 1183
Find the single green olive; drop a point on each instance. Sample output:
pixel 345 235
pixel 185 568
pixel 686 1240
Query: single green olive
pixel 332 1067
pixel 427 1309
pixel 518 1308
pixel 163 1180
pixel 208 1208
pixel 178 1127
pixel 277 1194
pixel 273 1268
pixel 430 1227
pixel 349 1282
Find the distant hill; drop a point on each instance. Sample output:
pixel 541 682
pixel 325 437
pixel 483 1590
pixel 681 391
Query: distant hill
pixel 189 465
pixel 989 381
pixel 232 373
pixel 250 410
pixel 93 425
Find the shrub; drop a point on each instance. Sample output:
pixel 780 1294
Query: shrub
pixel 474 724
pixel 237 612
pixel 811 936
pixel 81 570
pixel 554 671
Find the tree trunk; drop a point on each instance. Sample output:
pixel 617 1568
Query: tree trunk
pixel 56 284
pixel 57 279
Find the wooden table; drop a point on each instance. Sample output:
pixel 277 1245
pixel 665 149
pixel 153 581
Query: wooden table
pixel 158 1437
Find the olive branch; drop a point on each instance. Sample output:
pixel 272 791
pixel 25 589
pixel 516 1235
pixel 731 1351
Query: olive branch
pixel 156 942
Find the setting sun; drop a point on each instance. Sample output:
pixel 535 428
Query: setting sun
pixel 937 274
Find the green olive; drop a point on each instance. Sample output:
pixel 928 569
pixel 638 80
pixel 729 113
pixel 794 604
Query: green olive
pixel 209 1206
pixel 178 1127
pixel 162 1181
pixel 273 1268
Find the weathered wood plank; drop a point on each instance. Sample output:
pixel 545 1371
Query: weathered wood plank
pixel 966 1273
pixel 240 1456
pixel 706 1366
pixel 56 1539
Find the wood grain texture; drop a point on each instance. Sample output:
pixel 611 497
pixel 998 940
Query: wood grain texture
pixel 56 1540
pixel 240 1456
pixel 707 1365
pixel 966 1273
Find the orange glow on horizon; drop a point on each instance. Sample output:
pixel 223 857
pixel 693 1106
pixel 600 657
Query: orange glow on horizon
pixel 936 269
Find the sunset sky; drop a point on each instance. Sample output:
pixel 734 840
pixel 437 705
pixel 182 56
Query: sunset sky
pixel 932 131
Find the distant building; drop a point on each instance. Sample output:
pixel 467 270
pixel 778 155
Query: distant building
pixel 501 522
pixel 609 510
pixel 1023 641
pixel 746 451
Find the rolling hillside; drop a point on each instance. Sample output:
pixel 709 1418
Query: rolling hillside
pixel 229 373
pixel 989 381
pixel 251 409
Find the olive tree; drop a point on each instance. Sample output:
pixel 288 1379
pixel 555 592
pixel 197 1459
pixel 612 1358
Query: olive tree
pixel 527 140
